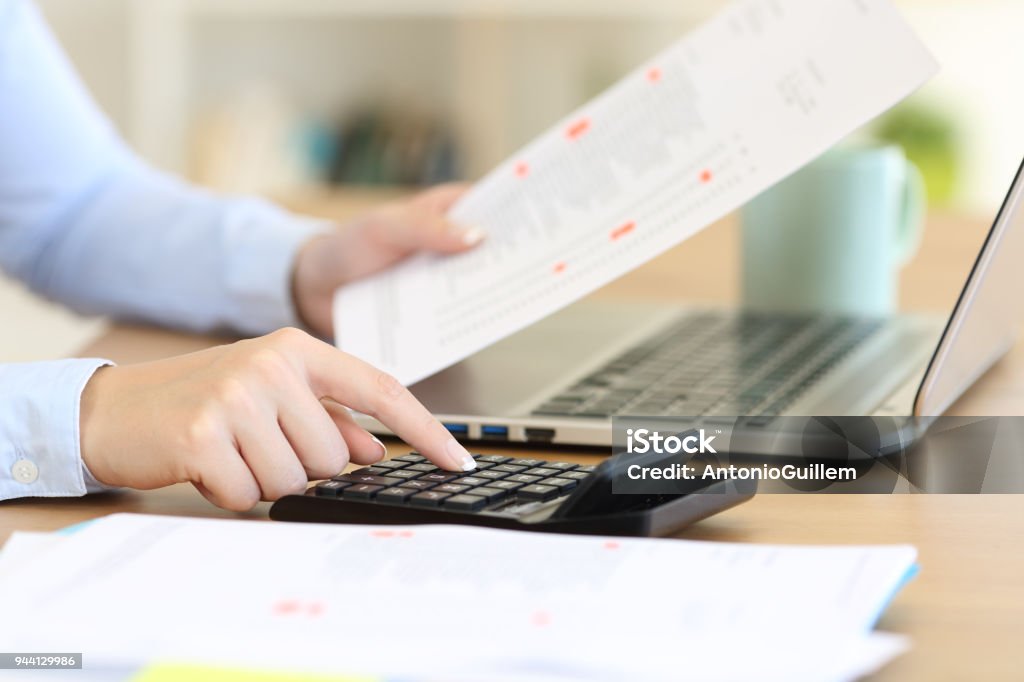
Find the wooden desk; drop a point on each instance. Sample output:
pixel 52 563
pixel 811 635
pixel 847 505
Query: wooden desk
pixel 964 612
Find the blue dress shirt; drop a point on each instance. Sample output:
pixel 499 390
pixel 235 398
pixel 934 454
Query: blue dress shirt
pixel 85 222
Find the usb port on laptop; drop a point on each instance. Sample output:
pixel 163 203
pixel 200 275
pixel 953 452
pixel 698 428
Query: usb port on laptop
pixel 492 432
pixel 458 430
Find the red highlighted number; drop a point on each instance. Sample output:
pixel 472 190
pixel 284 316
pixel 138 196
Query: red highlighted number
pixel 620 232
pixel 578 129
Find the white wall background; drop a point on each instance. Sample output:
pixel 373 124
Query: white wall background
pixel 977 41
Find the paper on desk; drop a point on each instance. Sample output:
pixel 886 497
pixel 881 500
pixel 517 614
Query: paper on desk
pixel 23 548
pixel 454 602
pixel 700 129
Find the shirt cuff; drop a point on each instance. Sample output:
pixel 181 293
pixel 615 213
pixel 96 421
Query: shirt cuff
pixel 40 445
pixel 262 245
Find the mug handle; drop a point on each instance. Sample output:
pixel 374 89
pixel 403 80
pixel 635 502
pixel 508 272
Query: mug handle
pixel 910 228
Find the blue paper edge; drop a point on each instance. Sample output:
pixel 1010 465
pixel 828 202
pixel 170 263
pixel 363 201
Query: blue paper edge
pixel 909 575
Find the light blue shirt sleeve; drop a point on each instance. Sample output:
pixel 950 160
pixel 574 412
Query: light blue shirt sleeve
pixel 85 222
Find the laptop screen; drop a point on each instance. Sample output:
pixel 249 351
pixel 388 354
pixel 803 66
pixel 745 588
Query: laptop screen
pixel 988 315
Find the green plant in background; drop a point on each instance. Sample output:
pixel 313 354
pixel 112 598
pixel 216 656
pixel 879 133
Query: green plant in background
pixel 929 137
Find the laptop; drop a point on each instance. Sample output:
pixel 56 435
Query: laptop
pixel 562 380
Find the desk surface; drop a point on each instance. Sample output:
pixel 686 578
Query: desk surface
pixel 964 612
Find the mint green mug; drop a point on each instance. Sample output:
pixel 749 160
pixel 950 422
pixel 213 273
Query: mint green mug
pixel 833 237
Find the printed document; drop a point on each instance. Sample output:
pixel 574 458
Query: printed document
pixel 693 134
pixel 449 602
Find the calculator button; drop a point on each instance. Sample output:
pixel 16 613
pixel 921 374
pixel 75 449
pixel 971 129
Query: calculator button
pixel 563 484
pixel 438 477
pixel 371 471
pixel 491 494
pixel 395 495
pixel 541 471
pixel 510 468
pixel 330 488
pixel 574 475
pixel 465 502
pixel 537 491
pixel 586 467
pixel 530 462
pixel 484 465
pixel 363 478
pixel 523 478
pixel 391 464
pixel 428 499
pixel 489 474
pixel 411 457
pixel 472 480
pixel 404 474
pixel 361 491
pixel 451 488
pixel 505 485
pixel 561 466
pixel 493 459
pixel 423 466
pixel 417 485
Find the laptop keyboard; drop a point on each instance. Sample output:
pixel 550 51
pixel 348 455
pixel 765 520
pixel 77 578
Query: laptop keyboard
pixel 498 482
pixel 716 364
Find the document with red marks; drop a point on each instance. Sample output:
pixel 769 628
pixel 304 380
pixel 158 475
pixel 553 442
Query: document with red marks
pixel 743 101
pixel 448 603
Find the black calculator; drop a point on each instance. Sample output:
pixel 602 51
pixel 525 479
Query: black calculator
pixel 503 492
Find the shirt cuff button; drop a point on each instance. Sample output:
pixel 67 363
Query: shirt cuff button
pixel 25 471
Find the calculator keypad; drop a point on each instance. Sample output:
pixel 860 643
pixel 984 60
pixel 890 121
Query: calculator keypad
pixel 412 480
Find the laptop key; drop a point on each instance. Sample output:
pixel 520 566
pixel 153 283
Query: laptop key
pixel 537 491
pixel 330 488
pixel 465 502
pixel 361 491
pixel 395 495
pixel 362 478
pixel 428 498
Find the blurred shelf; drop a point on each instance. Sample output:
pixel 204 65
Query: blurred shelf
pixel 453 8
pixel 470 8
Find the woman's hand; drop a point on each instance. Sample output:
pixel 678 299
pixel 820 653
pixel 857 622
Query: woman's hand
pixel 379 239
pixel 252 420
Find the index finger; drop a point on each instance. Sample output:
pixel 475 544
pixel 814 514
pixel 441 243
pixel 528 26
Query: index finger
pixel 345 379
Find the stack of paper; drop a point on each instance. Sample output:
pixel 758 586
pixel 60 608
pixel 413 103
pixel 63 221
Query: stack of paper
pixel 443 602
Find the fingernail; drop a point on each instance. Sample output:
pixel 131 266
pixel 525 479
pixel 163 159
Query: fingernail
pixel 460 457
pixel 472 236
pixel 383 448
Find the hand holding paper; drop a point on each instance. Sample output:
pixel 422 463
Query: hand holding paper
pixel 700 129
